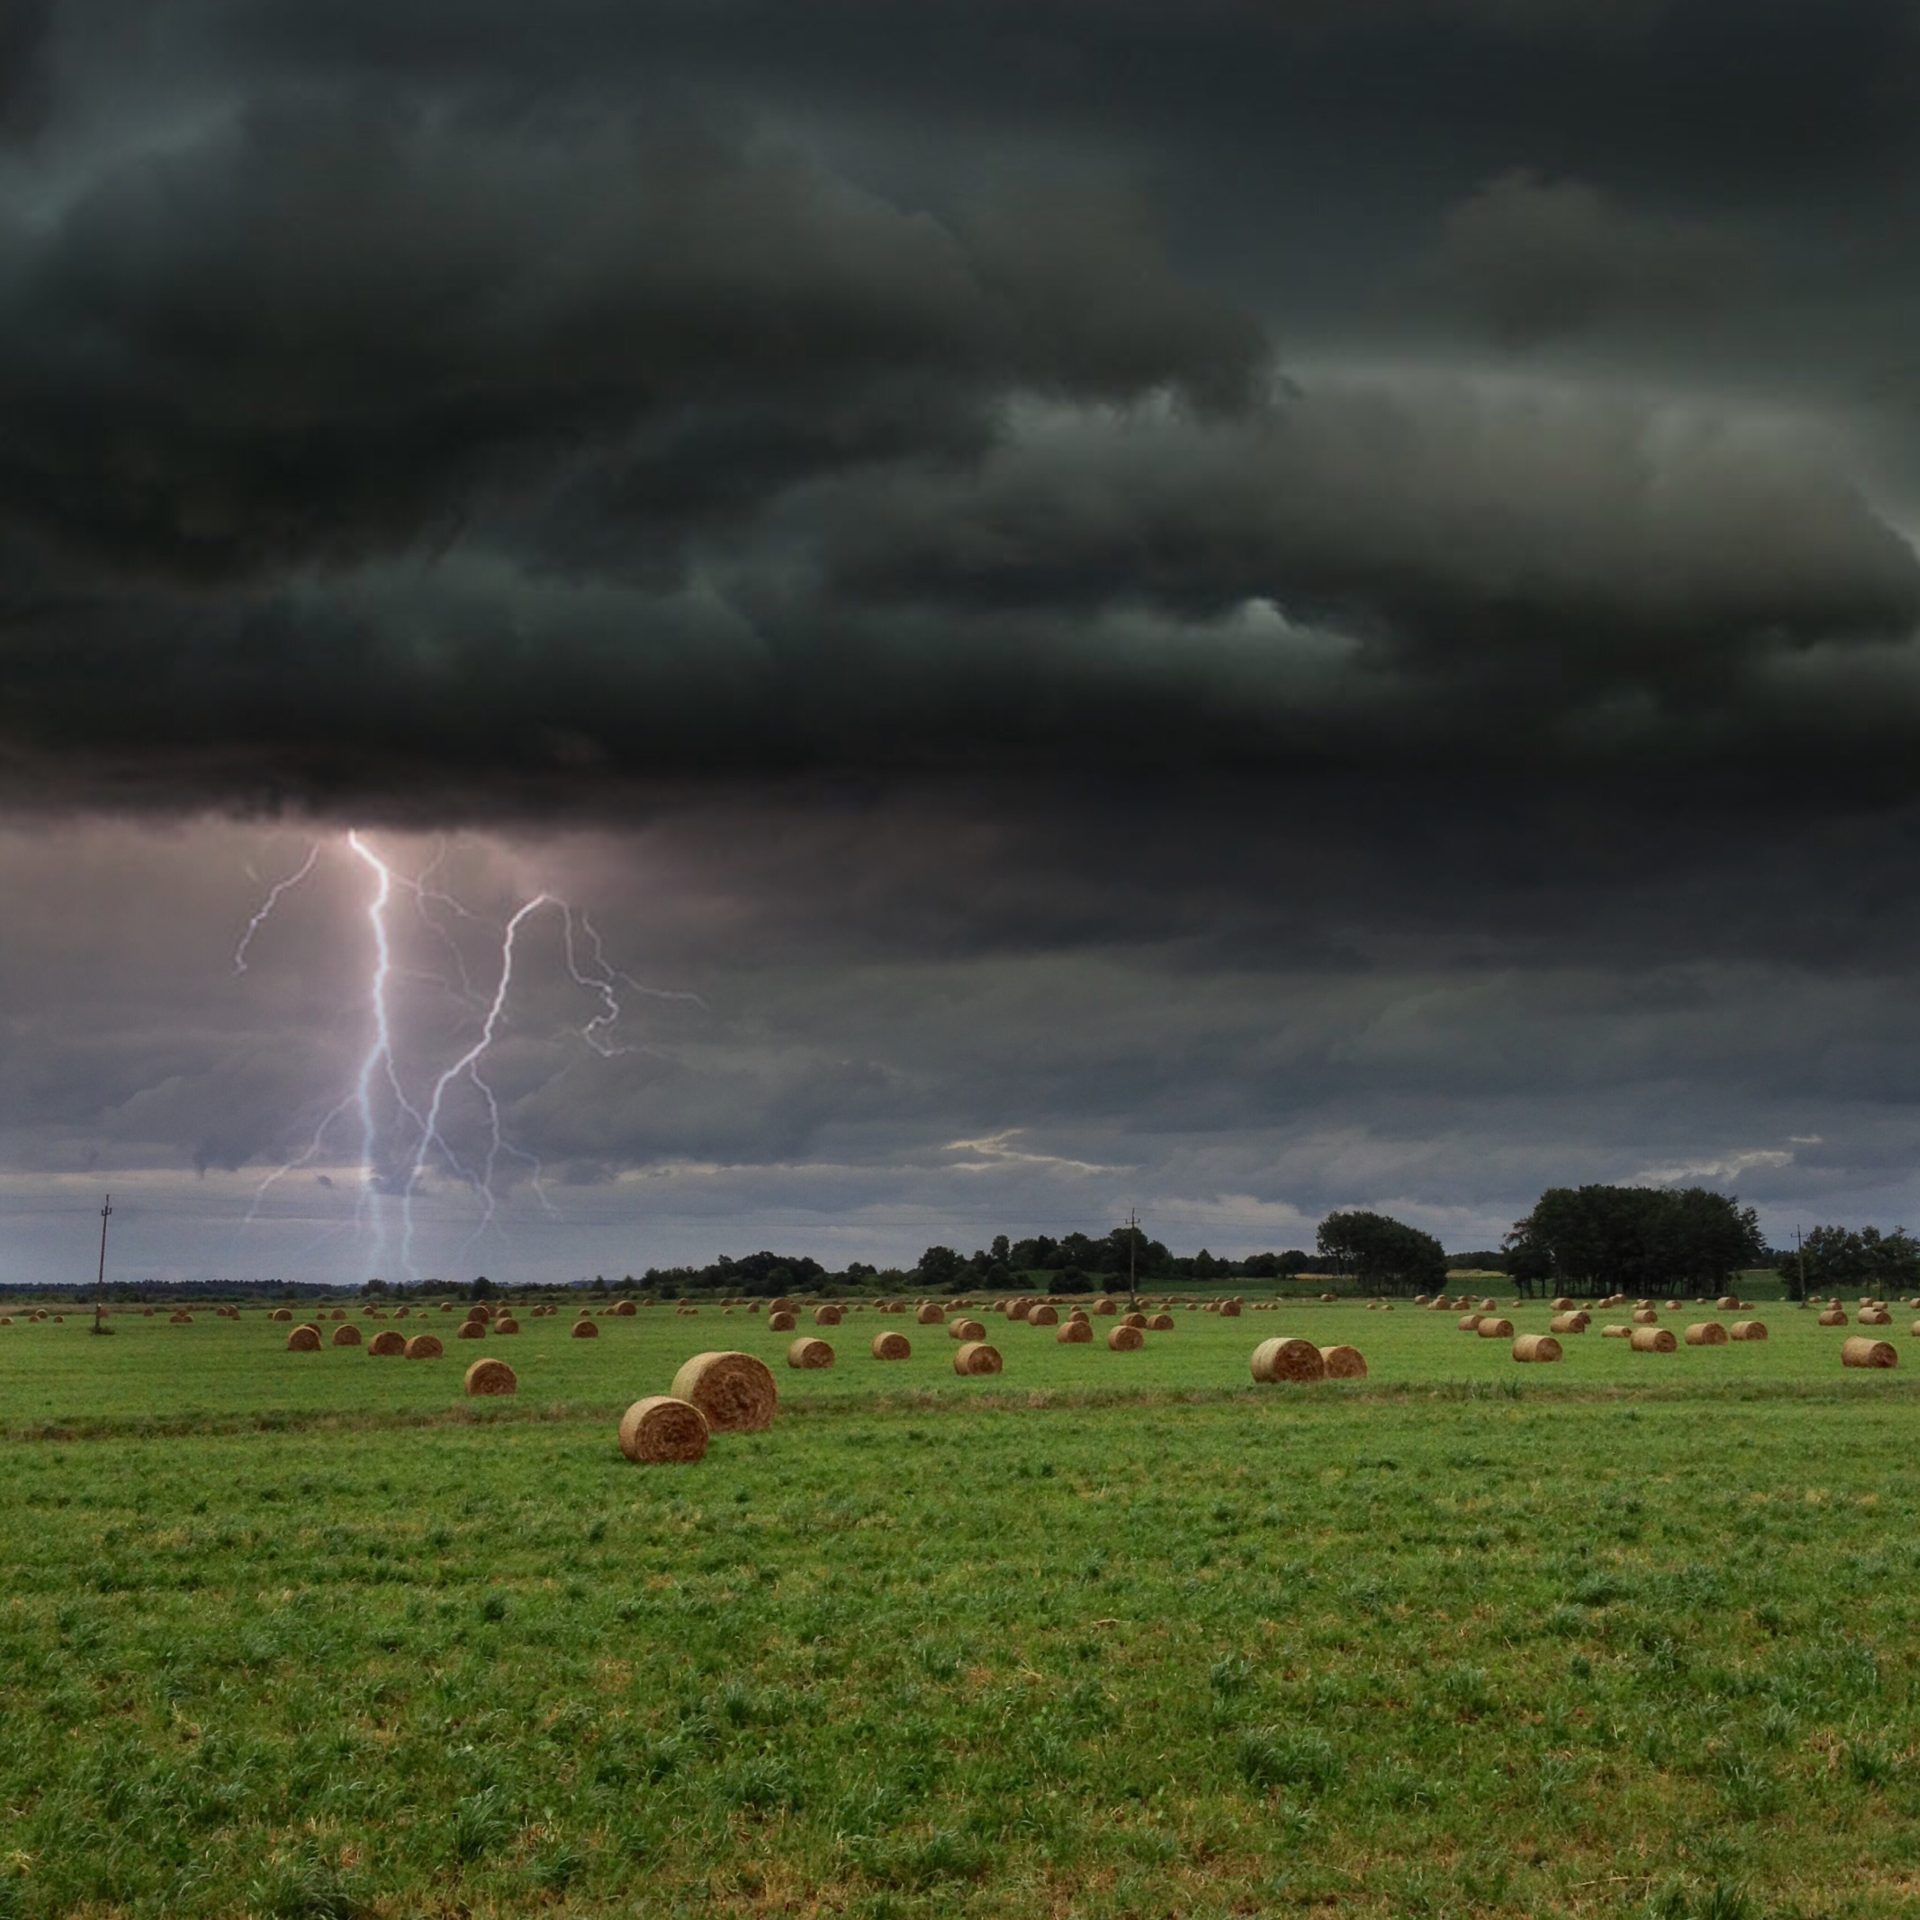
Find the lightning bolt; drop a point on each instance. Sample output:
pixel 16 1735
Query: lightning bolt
pixel 396 1131
pixel 264 912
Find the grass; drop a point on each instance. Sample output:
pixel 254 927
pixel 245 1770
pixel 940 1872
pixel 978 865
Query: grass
pixel 1108 1635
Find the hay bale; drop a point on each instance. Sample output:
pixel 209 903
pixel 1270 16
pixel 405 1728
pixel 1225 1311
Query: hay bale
pixel 809 1354
pixel 662 1431
pixel 1468 1322
pixel 1344 1363
pixel 1561 1304
pixel 505 1325
pixel 1673 1306
pixel 1834 1317
pixel 346 1336
pixel 1489 1305
pixel 927 1314
pixel 471 1330
pixel 1042 1315
pixel 892 1346
pixel 1645 1317
pixel 1105 1305
pixel 961 1328
pixel 279 1313
pixel 1160 1323
pixel 304 1340
pixel 1653 1340
pixel 1125 1339
pixel 781 1322
pixel 479 1311
pixel 1875 1317
pixel 827 1316
pixel 387 1340
pixel 1727 1303
pixel 976 1357
pixel 734 1390
pixel 1568 1323
pixel 1492 1327
pixel 1541 1347
pixel 403 1313
pixel 1079 1333
pixel 1706 1333
pixel 1287 1359
pixel 1616 1333
pixel 423 1346
pixel 624 1309
pixel 1747 1330
pixel 1134 1320
pixel 778 1304
pixel 1230 1309
pixel 487 1377
pixel 1859 1351
pixel 584 1330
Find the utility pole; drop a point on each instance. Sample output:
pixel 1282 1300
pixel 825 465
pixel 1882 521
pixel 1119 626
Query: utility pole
pixel 100 1281
pixel 1800 1249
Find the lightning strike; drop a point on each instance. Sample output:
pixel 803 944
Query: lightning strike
pixel 397 1133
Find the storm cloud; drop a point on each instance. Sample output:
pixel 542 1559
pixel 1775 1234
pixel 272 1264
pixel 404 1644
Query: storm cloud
pixel 1313 603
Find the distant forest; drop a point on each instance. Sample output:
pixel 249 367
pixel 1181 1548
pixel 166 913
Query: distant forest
pixel 1576 1239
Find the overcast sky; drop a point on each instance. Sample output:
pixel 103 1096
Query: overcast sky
pixel 1232 609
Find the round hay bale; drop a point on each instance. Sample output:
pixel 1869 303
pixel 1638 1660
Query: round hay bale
pixel 976 1357
pixel 1287 1359
pixel 486 1377
pixel 624 1309
pixel 304 1340
pixel 1230 1309
pixel 387 1340
pixel 1653 1340
pixel 1834 1317
pixel 584 1330
pixel 1344 1363
pixel 1568 1323
pixel 1727 1303
pixel 661 1431
pixel 1125 1339
pixel 479 1311
pixel 778 1304
pixel 1104 1305
pixel 446 1306
pixel 1468 1322
pixel 1673 1306
pixel 892 1346
pixel 828 1316
pixel 423 1346
pixel 961 1328
pixel 279 1313
pixel 927 1314
pixel 339 1313
pixel 471 1330
pixel 1747 1330
pixel 1492 1327
pixel 1536 1347
pixel 1645 1317
pixel 1616 1333
pixel 1079 1333
pixel 403 1313
pixel 1875 1317
pixel 1160 1323
pixel 1134 1320
pixel 734 1390
pixel 781 1322
pixel 1489 1305
pixel 1859 1351
pixel 346 1336
pixel 809 1354
pixel 506 1325
pixel 1561 1304
pixel 1042 1315
pixel 1706 1333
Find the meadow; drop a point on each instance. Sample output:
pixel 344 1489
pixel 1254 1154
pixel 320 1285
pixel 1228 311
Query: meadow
pixel 1107 1635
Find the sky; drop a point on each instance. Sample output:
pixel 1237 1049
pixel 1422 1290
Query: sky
pixel 1037 608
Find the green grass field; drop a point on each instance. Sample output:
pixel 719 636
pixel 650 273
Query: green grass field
pixel 1109 1635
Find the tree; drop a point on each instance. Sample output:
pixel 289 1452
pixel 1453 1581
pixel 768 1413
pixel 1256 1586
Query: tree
pixel 939 1269
pixel 1635 1239
pixel 1385 1255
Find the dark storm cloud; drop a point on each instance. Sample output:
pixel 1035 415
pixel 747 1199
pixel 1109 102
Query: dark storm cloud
pixel 24 26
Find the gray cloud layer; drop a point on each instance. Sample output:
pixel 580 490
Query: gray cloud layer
pixel 1362 520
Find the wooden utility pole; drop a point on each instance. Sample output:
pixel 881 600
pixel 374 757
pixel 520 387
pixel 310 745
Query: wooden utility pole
pixel 100 1280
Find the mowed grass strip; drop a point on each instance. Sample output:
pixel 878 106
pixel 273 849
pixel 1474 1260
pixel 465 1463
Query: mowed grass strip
pixel 1381 1652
